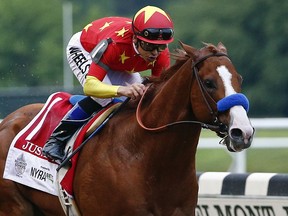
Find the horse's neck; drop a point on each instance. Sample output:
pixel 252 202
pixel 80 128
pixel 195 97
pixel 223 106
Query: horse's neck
pixel 172 102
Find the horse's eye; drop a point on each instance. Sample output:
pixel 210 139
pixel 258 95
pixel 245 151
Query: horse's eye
pixel 209 84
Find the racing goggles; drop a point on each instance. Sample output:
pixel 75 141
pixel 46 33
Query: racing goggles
pixel 157 34
pixel 150 47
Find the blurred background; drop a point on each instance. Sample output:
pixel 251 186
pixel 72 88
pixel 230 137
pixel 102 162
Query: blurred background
pixel 34 35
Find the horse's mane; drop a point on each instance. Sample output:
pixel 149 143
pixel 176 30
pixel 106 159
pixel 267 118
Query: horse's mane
pixel 183 54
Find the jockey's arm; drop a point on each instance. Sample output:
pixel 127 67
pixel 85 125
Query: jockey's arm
pixel 93 85
pixel 95 88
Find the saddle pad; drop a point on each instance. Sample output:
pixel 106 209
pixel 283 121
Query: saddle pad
pixel 25 163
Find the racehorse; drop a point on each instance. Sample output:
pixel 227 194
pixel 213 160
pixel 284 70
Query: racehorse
pixel 143 160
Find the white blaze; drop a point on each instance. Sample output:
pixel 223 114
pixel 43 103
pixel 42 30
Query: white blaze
pixel 226 77
pixel 238 115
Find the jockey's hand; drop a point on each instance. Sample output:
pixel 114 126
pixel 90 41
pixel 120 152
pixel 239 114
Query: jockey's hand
pixel 133 91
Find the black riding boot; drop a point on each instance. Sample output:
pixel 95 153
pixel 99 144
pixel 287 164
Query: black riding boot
pixel 74 119
pixel 54 147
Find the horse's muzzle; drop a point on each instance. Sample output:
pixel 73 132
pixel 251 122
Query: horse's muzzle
pixel 237 140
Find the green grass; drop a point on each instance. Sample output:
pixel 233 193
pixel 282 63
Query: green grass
pixel 272 133
pixel 258 133
pixel 258 160
pixel 268 160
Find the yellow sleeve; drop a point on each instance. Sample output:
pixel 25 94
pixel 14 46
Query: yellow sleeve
pixel 95 88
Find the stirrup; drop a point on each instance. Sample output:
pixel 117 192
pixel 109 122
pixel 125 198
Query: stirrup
pixel 57 160
pixel 54 159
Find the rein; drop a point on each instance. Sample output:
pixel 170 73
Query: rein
pixel 217 126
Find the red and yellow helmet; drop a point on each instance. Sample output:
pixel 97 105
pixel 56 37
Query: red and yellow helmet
pixel 153 25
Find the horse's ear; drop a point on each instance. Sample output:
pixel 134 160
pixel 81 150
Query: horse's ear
pixel 191 51
pixel 222 48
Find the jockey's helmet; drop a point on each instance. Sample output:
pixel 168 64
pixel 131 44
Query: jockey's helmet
pixel 153 25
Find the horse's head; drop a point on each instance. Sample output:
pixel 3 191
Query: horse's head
pixel 216 96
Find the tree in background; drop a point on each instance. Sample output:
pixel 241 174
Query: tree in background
pixel 31 43
pixel 254 32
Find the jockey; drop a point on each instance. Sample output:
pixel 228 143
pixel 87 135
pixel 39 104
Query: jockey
pixel 106 57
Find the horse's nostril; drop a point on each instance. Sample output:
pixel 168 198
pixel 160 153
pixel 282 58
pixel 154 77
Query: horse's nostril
pixel 236 133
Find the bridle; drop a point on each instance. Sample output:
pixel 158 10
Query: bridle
pixel 222 129
pixel 217 126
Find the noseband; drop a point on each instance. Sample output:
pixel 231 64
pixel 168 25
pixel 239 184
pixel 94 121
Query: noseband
pixel 217 126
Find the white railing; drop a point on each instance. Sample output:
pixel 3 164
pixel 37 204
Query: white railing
pixel 239 159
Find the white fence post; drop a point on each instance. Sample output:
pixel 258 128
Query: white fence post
pixel 239 162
